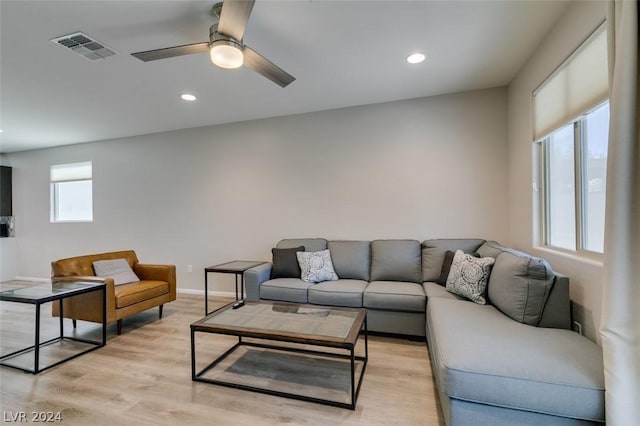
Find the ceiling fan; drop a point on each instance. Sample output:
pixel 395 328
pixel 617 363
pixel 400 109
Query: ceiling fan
pixel 225 44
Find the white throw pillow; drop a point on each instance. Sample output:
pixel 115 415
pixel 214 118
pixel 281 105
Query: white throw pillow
pixel 118 269
pixel 316 266
pixel 469 276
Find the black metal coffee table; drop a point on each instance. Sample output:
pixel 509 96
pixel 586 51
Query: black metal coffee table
pixel 309 373
pixel 41 294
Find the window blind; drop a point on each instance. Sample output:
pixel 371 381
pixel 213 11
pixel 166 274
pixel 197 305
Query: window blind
pixel 578 85
pixel 71 172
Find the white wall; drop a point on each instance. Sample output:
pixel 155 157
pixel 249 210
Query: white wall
pixel 580 19
pixel 420 168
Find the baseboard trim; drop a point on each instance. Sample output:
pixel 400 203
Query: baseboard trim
pixel 201 292
pixel 34 279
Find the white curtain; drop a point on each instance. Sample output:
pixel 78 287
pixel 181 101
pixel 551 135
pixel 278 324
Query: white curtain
pixel 620 325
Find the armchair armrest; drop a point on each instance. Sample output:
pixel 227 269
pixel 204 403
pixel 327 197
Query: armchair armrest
pixel 87 306
pixel 157 273
pixel 253 278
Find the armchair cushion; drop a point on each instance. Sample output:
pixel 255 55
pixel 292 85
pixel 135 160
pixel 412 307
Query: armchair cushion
pixel 118 269
pixel 129 294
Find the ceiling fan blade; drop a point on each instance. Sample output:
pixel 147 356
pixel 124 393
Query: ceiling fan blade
pixel 234 17
pixel 169 52
pixel 263 66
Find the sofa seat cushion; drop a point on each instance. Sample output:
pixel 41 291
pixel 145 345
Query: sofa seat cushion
pixel 338 293
pixel 480 355
pixel 285 290
pixel 432 289
pixel 130 294
pixel 394 296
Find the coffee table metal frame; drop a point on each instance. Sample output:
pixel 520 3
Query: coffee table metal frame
pixel 349 344
pixel 87 287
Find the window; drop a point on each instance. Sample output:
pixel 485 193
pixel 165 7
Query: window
pixel 571 128
pixel 574 161
pixel 72 192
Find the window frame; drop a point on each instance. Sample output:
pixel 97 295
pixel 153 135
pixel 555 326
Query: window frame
pixel 54 192
pixel 580 185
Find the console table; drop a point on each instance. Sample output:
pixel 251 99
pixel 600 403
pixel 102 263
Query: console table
pixel 38 295
pixel 236 267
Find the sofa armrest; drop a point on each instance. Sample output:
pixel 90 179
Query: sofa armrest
pixel 557 310
pixel 254 277
pixel 157 273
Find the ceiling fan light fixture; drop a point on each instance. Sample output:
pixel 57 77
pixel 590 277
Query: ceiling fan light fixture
pixel 226 54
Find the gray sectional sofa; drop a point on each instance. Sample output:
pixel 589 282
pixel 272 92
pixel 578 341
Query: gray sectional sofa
pixel 513 361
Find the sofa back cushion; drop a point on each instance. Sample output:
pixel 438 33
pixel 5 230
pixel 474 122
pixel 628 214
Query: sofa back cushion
pixel 83 265
pixel 557 307
pixel 351 259
pixel 433 253
pixel 310 244
pixel 396 260
pixel 520 285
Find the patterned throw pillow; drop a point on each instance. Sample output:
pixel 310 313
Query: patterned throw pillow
pixel 118 269
pixel 469 275
pixel 316 266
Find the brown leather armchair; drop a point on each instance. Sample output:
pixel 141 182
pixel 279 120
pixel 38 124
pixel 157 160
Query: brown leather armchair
pixel 156 287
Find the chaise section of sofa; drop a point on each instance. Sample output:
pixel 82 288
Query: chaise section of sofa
pixel 514 360
pixel 488 366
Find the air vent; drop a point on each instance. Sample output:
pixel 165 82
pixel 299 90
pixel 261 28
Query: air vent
pixel 85 46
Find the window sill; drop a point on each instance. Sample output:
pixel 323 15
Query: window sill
pixel 594 260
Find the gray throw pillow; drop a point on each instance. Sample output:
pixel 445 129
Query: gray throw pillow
pixel 520 285
pixel 118 269
pixel 316 266
pixel 285 262
pixel 469 276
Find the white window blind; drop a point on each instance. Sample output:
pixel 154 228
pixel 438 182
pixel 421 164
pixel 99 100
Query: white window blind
pixel 578 85
pixel 71 172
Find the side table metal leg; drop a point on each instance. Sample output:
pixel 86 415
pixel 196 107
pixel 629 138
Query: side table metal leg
pixel 61 318
pixel 242 285
pixel 206 294
pixel 36 352
pixel 236 286
pixel 193 355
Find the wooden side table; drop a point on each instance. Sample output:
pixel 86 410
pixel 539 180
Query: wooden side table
pixel 236 267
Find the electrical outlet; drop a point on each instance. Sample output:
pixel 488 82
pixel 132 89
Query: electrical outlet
pixel 189 268
pixel 577 327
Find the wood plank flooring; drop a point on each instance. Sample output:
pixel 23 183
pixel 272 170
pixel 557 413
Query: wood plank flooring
pixel 143 377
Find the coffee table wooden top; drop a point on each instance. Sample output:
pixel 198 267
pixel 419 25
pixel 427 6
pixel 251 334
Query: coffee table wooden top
pixel 287 322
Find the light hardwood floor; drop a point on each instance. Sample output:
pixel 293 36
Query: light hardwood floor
pixel 143 377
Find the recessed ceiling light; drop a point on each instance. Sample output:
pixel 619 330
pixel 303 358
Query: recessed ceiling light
pixel 188 97
pixel 415 58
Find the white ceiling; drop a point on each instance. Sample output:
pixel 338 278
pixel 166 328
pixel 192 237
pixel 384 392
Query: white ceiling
pixel 342 53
